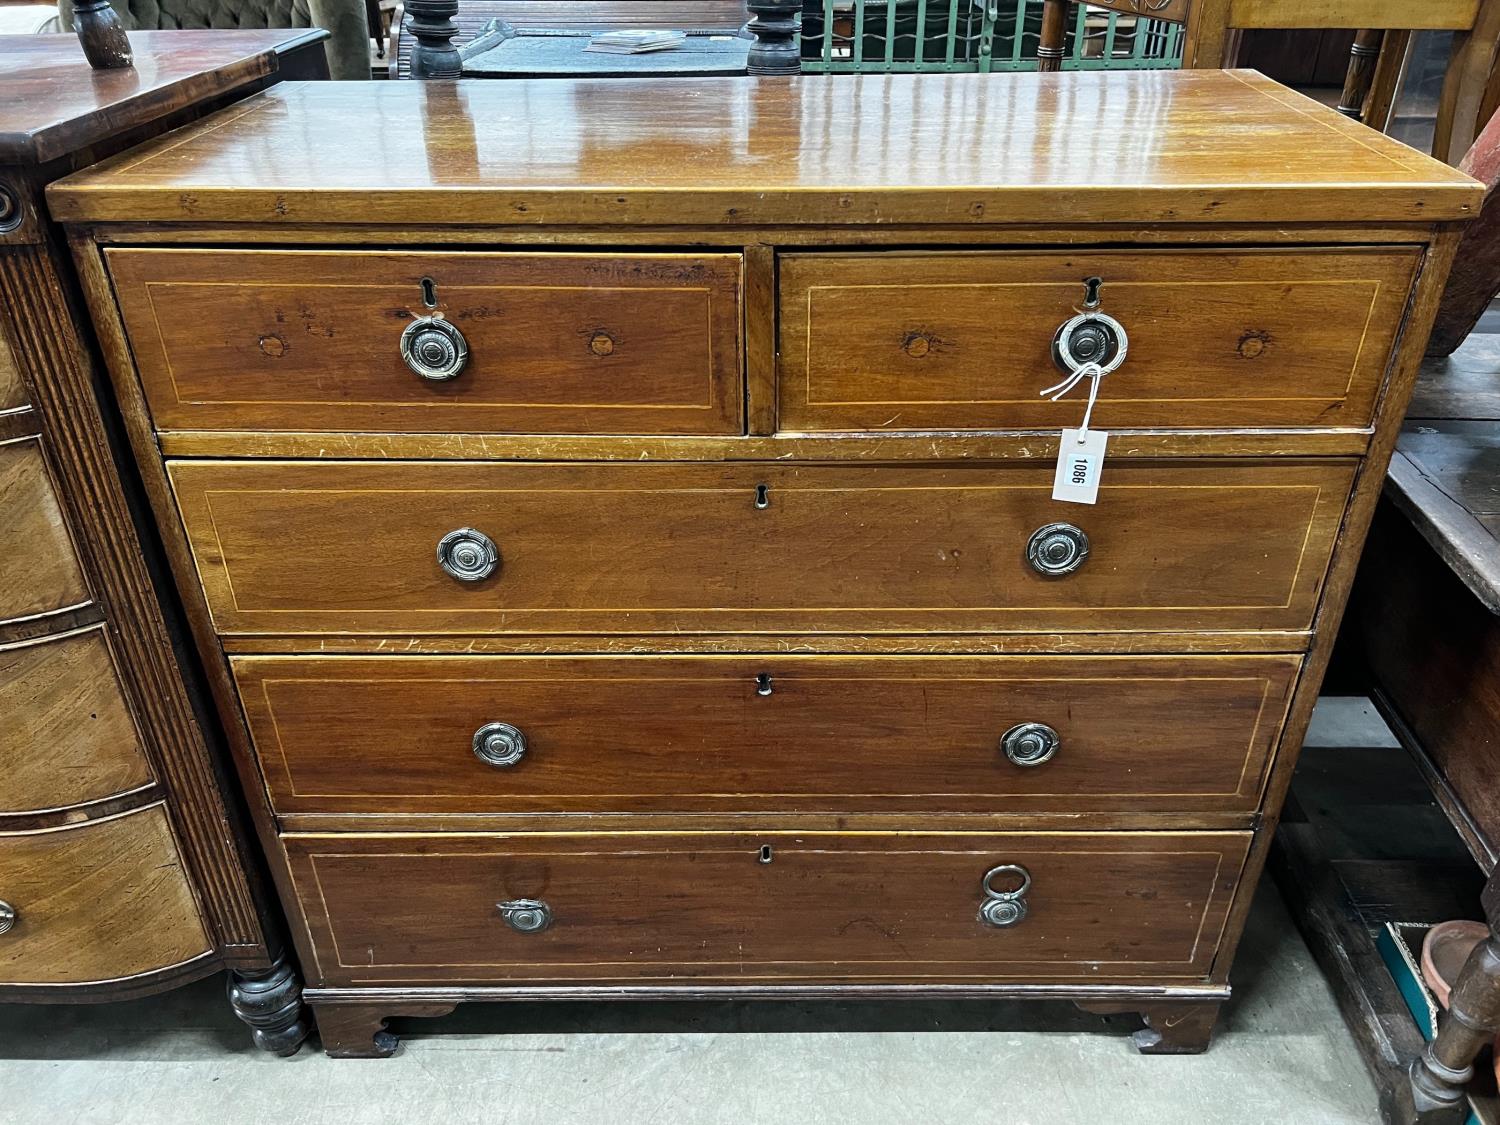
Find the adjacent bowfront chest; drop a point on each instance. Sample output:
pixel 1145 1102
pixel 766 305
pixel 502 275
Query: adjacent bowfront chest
pixel 619 517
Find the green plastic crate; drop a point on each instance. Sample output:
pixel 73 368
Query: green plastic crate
pixel 875 36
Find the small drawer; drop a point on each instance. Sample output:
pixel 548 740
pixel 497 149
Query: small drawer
pixel 291 547
pixel 765 908
pixel 473 734
pixel 67 737
pixel 39 568
pixel 95 902
pixel 1220 338
pixel 427 342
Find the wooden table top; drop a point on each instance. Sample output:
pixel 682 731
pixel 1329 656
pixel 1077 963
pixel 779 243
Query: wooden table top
pixel 52 102
pixel 1098 147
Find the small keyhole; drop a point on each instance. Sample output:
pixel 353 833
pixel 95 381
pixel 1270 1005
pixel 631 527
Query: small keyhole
pixel 1091 292
pixel 763 684
pixel 765 853
pixel 429 292
pixel 762 496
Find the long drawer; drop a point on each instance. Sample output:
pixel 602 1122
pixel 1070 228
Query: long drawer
pixel 555 343
pixel 636 734
pixel 95 902
pixel 963 341
pixel 767 908
pixel 295 547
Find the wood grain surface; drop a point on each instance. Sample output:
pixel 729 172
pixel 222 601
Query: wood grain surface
pixel 643 734
pixel 39 567
pixel 351 547
pixel 567 343
pixel 68 736
pixel 965 149
pixel 711 906
pixel 962 341
pixel 97 902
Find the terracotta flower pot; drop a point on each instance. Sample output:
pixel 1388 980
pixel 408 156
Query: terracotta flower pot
pixel 1444 950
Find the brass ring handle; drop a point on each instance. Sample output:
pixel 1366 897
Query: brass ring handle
pixel 434 349
pixel 1090 337
pixel 8 917
pixel 468 555
pixel 1004 908
pixel 1030 744
pixel 1057 549
pixel 499 744
pixel 526 915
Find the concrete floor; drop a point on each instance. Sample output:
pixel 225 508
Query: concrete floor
pixel 1282 1056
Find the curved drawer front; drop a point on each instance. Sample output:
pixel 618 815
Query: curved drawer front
pixel 963 341
pixel 96 902
pixel 777 907
pixel 39 569
pixel 642 734
pixel 67 737
pixel 287 547
pixel 556 343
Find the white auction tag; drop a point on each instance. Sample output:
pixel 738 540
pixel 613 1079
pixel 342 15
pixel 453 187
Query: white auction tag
pixel 1080 462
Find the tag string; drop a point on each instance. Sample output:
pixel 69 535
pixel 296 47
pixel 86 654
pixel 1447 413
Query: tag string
pixel 1094 374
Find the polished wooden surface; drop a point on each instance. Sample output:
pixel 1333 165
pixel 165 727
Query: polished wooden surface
pixel 1221 147
pixel 1438 14
pixel 585 343
pixel 832 906
pixel 350 547
pixel 68 737
pixel 947 341
pixel 96 902
pixel 841 565
pixel 39 566
pixel 55 103
pixel 832 733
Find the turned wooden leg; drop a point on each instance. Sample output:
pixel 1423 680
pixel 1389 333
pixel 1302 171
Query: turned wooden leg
pixel 1361 72
pixel 1181 1028
pixel 270 1002
pixel 1440 1073
pixel 358 1031
pixel 1052 46
pixel 777 27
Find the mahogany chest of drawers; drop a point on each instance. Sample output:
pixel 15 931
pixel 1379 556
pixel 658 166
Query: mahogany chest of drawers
pixel 619 517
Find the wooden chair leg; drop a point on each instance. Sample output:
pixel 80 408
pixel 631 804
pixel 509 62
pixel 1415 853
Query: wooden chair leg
pixel 1390 72
pixel 1439 1075
pixel 1053 43
pixel 1363 57
pixel 1465 85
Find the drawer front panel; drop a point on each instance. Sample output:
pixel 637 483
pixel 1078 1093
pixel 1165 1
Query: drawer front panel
pixel 67 736
pixel 287 547
pixel 832 907
pixel 96 902
pixel 637 734
pixel 13 394
pixel 1217 338
pixel 39 568
pixel 557 343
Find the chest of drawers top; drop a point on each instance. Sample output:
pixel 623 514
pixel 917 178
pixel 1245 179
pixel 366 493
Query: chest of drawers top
pixel 955 150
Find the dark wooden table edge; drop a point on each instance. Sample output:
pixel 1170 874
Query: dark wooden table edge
pixel 151 104
pixel 1460 540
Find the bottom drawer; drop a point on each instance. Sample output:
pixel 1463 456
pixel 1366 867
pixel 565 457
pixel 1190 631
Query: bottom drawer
pixel 95 902
pixel 771 907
